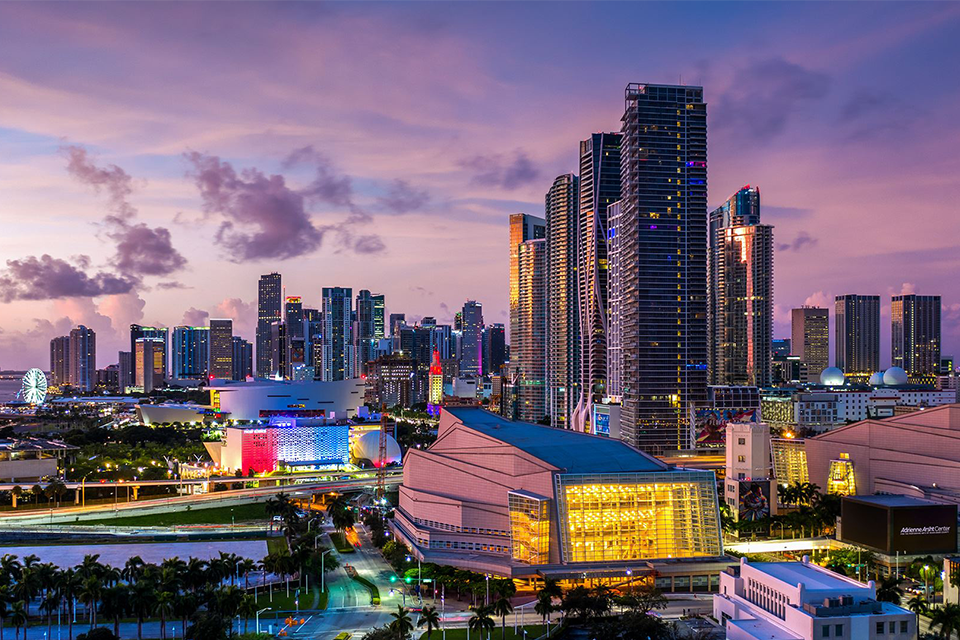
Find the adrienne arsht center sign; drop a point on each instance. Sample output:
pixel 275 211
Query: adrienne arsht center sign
pixel 891 524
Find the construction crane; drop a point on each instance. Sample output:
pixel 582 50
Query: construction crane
pixel 382 456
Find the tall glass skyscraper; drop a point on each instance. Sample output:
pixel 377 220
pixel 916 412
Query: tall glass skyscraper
pixel 366 329
pixel 857 331
pixel 158 351
pixel 338 351
pixel 83 358
pixel 600 186
pixel 242 358
pixel 915 323
pixel 221 348
pixel 523 227
pixel 810 339
pixel 471 354
pixel 740 292
pixel 269 298
pixel 190 352
pixel 563 318
pixel 529 345
pixel 663 254
pixel 379 309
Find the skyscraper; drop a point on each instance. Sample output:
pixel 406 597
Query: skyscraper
pixel 471 357
pixel 740 292
pixel 279 350
pixel 379 310
pixel 857 333
pixel 221 348
pixel 663 256
pixel 366 329
pixel 810 339
pixel 293 318
pixel 397 320
pixel 338 350
pixel 83 358
pixel 147 353
pixel 600 185
pixel 293 315
pixel 614 300
pixel 60 360
pixel 242 359
pixel 530 342
pixel 189 352
pixel 125 365
pixel 562 299
pixel 523 227
pixel 268 311
pixel 159 351
pixel 915 324
pixel 494 349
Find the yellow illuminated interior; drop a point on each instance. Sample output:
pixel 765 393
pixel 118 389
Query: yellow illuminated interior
pixel 841 479
pixel 530 528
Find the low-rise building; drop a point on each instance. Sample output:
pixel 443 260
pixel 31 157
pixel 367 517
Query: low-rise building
pixel 31 459
pixel 802 601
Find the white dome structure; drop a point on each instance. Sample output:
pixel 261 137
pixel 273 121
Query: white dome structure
pixel 367 447
pixel 876 380
pixel 832 377
pixel 894 377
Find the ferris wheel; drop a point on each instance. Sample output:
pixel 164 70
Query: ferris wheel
pixel 34 387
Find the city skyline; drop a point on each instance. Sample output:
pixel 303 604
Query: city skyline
pixel 73 186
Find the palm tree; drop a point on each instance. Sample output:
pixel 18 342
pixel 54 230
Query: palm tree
pixel 502 608
pixel 18 616
pixel 184 606
pixel 90 591
pixel 889 590
pixel 401 624
pixel 141 598
pixel 430 619
pixel 544 607
pixel 69 583
pixel 246 567
pixel 947 618
pixel 247 608
pixel 917 604
pixel 552 588
pixel 162 608
pixel 481 620
pixel 4 599
pixel 50 603
pixel 113 605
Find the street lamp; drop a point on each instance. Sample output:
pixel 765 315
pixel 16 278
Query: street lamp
pixel 926 578
pixel 258 616
pixel 420 584
pixel 322 583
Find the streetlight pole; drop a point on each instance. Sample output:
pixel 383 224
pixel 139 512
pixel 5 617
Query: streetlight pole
pixel 322 572
pixel 926 579
pixel 258 617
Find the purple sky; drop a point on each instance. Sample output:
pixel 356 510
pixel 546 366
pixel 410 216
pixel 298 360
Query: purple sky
pixel 156 158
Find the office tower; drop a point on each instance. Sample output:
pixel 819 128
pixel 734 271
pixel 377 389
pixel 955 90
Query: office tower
pixel 600 184
pixel 148 352
pixel 338 351
pixel 523 227
pixel 269 297
pixel 435 385
pixel 458 321
pixel 442 341
pixel 379 308
pixel 857 330
pixel 614 300
pixel 293 315
pixel 60 360
pixel 221 348
pixel 279 350
pixel 83 358
pixel 471 354
pixel 125 362
pixel 190 352
pixel 428 321
pixel 915 324
pixel 160 352
pixel 810 338
pixel 494 349
pixel 366 329
pixel 416 342
pixel 740 292
pixel 242 358
pixel 663 254
pixel 397 320
pixel 780 348
pixel 563 319
pixel 530 340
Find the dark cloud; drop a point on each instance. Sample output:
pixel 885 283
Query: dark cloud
pixel 764 96
pixel 501 171
pixel 116 181
pixel 327 185
pixel 870 114
pixel 263 218
pixel 172 284
pixel 195 317
pixel 47 278
pixel 803 240
pixel 369 244
pixel 404 198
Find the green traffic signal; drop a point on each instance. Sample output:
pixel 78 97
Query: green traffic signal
pixel 407 579
pixel 393 578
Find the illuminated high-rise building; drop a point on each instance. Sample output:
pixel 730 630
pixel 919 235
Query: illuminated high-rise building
pixel 293 315
pixel 338 351
pixel 810 339
pixel 221 349
pixel 435 385
pixel 494 349
pixel 563 318
pixel 60 360
pixel 242 360
pixel 663 256
pixel 915 324
pixel 83 358
pixel 471 355
pixel 148 353
pixel 397 320
pixel 379 311
pixel 189 352
pixel 269 296
pixel 529 352
pixel 614 299
pixel 523 227
pixel 857 334
pixel 279 350
pixel 159 351
pixel 125 365
pixel 600 186
pixel 740 292
pixel 366 330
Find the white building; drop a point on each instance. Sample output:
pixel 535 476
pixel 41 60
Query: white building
pixel 802 601
pixel 823 409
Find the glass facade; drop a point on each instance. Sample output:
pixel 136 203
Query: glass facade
pixel 841 478
pixel 789 457
pixel 638 516
pixel 529 527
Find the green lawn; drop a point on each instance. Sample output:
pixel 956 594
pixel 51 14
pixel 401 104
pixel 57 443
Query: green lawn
pixel 533 631
pixel 216 515
pixel 282 602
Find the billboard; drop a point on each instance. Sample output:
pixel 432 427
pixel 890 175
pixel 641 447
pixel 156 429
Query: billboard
pixel 753 500
pixel 912 529
pixel 709 424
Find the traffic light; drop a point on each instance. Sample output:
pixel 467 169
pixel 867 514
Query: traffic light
pixel 393 578
pixel 407 579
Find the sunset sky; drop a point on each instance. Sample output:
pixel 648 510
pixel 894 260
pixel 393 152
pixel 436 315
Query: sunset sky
pixel 156 158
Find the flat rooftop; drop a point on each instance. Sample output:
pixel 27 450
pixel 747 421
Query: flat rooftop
pixel 892 500
pixel 569 451
pixel 813 578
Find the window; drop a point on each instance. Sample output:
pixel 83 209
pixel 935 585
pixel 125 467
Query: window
pixel 838 630
pixel 741 459
pixel 903 626
pixel 880 627
pixel 893 627
pixel 741 441
pixel 826 631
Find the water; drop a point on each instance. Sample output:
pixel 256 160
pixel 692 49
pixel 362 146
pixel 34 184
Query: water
pixel 9 389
